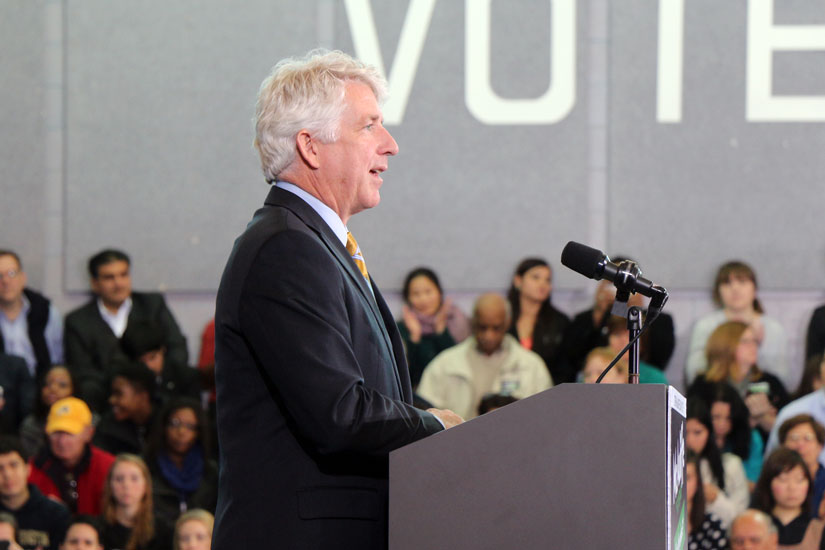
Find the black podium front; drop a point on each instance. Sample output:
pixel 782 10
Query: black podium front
pixel 577 466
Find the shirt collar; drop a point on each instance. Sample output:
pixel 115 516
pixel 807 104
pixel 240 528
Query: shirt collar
pixel 327 214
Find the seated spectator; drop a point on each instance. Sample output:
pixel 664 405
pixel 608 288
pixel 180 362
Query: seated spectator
pixel 41 521
pixel 536 323
pixel 83 534
pixel 17 389
pixel 183 476
pixel 725 484
pixel 430 323
pixel 144 342
pixel 490 361
pixel 734 291
pixel 128 518
pixel 815 338
pixel 731 356
pixel 93 331
pixel 30 325
pixel 193 530
pixel 618 336
pixel 595 363
pixel 812 404
pixel 704 529
pixel 732 431
pixel 811 377
pixel 753 530
pixel 56 384
pixel 70 469
pixel 783 492
pixel 8 530
pixel 588 330
pixel 126 426
pixel 493 401
pixel 806 436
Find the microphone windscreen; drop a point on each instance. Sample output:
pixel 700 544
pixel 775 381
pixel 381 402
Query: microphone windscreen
pixel 582 259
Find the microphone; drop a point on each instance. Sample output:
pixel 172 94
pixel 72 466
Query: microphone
pixel 594 264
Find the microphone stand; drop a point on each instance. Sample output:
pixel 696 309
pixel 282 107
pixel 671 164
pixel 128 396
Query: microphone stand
pixel 633 314
pixel 634 327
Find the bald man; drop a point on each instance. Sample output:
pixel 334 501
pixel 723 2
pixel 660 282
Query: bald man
pixel 489 362
pixel 753 530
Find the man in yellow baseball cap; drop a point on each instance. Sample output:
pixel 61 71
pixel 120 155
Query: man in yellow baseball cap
pixel 71 469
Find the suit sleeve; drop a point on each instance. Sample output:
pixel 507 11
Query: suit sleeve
pixel 176 349
pixel 304 322
pixel 79 357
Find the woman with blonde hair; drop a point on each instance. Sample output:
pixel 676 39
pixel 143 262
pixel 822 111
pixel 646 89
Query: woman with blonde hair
pixel 128 519
pixel 193 530
pixel 732 353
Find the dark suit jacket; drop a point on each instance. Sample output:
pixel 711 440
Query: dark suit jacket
pixel 91 346
pixel 313 390
pixel 18 392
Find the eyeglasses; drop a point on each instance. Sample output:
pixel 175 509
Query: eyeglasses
pixel 10 274
pixel 796 438
pixel 175 423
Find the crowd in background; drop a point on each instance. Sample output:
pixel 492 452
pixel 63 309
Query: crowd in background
pixel 109 430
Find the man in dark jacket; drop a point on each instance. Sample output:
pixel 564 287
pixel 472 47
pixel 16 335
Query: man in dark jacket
pixel 94 331
pixel 41 521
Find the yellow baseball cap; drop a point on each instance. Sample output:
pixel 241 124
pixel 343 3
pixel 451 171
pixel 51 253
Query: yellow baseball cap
pixel 69 414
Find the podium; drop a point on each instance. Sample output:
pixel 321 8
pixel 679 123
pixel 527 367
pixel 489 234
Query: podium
pixel 578 466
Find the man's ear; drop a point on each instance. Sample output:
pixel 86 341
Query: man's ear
pixel 308 149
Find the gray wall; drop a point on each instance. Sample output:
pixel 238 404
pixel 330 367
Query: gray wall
pixel 652 130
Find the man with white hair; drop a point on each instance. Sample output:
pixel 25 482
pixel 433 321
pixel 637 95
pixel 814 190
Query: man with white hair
pixel 753 530
pixel 313 390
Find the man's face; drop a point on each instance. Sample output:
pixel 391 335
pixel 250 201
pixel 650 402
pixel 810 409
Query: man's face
pixel 750 534
pixel 68 448
pixel 14 471
pixel 12 280
pixel 351 167
pixel 113 283
pixel 489 327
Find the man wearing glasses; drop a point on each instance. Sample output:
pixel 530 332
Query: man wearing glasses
pixel 30 325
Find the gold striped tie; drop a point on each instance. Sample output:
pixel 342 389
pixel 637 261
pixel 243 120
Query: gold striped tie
pixel 355 251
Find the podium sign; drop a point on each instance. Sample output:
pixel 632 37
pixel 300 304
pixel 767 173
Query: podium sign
pixel 577 466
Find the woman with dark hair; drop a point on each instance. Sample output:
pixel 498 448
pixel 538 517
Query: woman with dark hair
pixel 430 323
pixel 803 434
pixel 57 383
pixel 128 518
pixel 734 292
pixel 784 492
pixel 725 484
pixel 732 431
pixel 731 356
pixel 705 531
pixel 83 533
pixel 537 325
pixel 183 476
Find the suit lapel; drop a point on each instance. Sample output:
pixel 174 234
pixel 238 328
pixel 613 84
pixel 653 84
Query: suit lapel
pixel 311 218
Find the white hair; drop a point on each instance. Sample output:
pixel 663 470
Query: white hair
pixel 306 94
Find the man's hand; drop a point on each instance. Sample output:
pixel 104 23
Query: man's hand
pixel 448 417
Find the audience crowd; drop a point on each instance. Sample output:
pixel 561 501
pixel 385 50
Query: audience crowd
pixel 108 437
